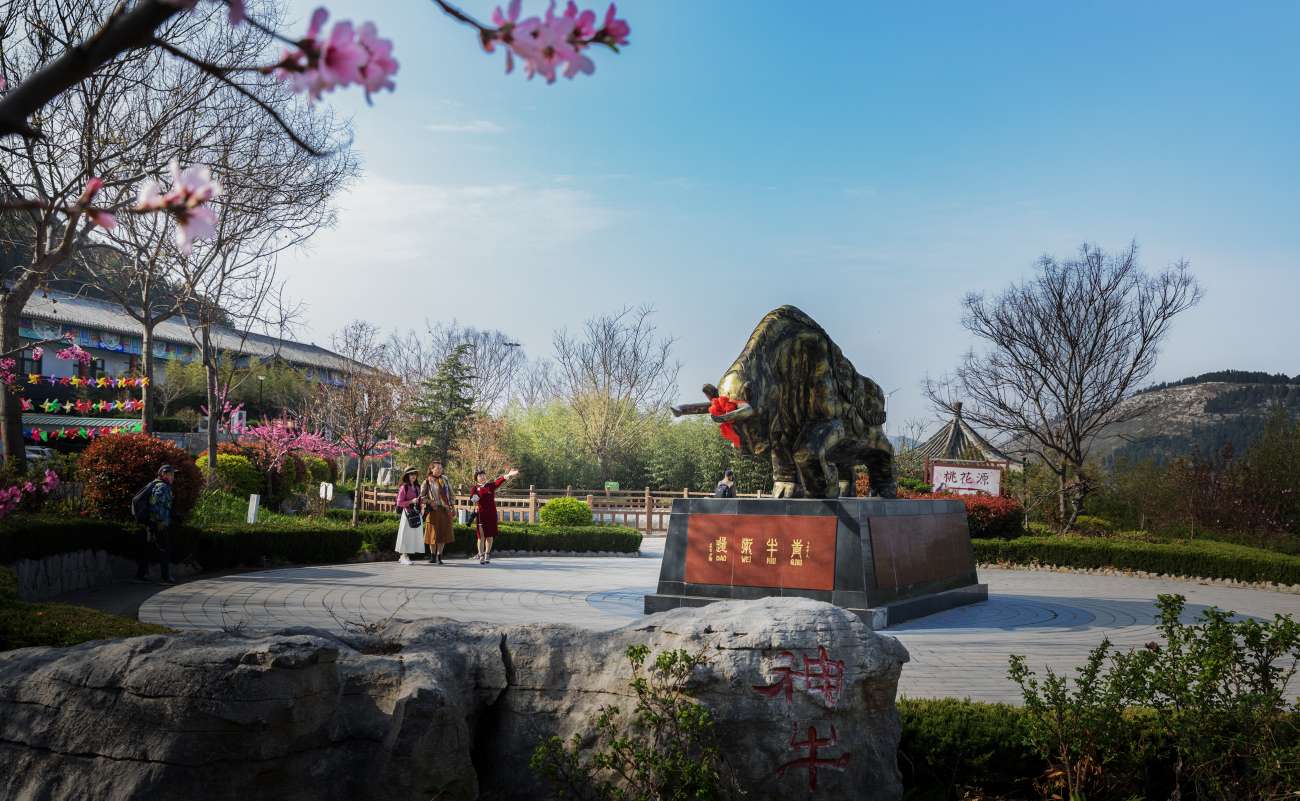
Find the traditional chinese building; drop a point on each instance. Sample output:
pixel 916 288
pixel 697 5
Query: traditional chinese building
pixel 958 441
pixel 114 342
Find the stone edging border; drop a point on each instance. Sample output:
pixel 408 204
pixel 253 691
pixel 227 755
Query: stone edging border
pixel 1288 589
pixel 507 555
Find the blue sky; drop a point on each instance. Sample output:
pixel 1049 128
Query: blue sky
pixel 870 163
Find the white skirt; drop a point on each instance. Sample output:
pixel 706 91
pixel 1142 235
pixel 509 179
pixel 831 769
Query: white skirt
pixel 409 540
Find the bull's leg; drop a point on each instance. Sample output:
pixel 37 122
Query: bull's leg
pixel 848 479
pixel 821 477
pixel 879 459
pixel 784 476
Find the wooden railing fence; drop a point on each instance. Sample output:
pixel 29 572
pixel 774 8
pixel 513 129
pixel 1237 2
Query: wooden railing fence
pixel 647 510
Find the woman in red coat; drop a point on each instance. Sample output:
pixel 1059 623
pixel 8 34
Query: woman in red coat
pixel 485 495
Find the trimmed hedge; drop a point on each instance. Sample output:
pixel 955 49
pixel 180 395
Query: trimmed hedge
pixel 1193 558
pixel 236 475
pixel 306 542
pixel 948 744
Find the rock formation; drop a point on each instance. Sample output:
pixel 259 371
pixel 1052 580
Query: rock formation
pixel 802 692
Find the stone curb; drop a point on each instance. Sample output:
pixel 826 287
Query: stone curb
pixel 386 557
pixel 1286 589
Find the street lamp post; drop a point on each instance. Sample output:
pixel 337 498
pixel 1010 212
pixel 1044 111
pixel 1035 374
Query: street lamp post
pixel 260 407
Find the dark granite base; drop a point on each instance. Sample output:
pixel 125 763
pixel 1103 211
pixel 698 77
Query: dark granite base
pixel 893 560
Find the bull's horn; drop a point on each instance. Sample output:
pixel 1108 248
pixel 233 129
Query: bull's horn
pixel 741 412
pixel 690 408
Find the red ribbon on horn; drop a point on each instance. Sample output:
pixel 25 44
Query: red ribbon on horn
pixel 720 406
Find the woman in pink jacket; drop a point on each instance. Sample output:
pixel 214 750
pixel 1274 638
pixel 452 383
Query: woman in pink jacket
pixel 410 529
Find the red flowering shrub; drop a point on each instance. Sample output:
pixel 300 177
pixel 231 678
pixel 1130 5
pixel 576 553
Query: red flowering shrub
pixel 987 515
pixel 115 468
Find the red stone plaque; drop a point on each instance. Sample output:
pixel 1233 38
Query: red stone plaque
pixel 761 551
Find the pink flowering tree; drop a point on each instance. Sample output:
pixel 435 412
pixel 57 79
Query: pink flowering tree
pixel 70 70
pixel 26 490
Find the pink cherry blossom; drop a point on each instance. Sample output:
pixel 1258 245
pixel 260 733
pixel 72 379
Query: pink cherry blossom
pixel 51 482
pixel 617 29
pixel 37 353
pixel 584 25
pixel 191 189
pixel 322 65
pixel 74 353
pixel 377 72
pixel 2 83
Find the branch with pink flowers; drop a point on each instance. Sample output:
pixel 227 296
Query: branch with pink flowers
pixel 316 63
pixel 9 376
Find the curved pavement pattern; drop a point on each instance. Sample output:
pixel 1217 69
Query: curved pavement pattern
pixel 1054 619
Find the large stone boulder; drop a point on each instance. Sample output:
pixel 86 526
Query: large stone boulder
pixel 802 691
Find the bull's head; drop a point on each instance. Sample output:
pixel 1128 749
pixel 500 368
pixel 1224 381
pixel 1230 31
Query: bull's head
pixel 729 411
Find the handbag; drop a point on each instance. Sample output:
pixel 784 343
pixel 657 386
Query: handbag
pixel 413 516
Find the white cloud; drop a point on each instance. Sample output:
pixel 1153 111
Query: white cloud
pixel 473 126
pixel 404 252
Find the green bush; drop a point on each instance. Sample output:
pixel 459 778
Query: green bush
pixel 951 744
pixel 113 469
pixel 8 585
pixel 236 475
pixel 1205 713
pixel 300 540
pixel 565 512
pixel 1091 524
pixel 666 749
pixel 318 470
pixel 1193 559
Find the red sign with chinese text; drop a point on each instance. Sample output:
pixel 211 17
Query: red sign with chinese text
pixel 761 551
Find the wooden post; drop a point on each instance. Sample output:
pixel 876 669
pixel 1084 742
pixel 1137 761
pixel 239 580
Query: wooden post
pixel 649 510
pixel 568 491
pixel 532 504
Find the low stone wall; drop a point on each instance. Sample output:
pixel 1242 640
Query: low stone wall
pixel 40 579
pixel 801 691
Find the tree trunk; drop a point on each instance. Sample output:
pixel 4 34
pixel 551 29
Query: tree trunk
pixel 1060 496
pixel 11 414
pixel 356 495
pixel 146 392
pixel 214 414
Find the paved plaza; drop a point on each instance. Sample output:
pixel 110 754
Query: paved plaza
pixel 1052 618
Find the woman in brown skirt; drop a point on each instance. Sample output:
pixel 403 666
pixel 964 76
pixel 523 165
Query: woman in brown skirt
pixel 436 495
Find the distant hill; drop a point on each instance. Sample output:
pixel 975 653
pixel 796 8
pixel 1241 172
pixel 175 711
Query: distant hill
pixel 1197 415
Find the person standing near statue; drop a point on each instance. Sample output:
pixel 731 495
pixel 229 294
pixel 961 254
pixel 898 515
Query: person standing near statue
pixel 435 494
pixel 727 486
pixel 410 531
pixel 484 494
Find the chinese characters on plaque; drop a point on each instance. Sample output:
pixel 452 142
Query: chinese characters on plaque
pixel 966 478
pixel 761 551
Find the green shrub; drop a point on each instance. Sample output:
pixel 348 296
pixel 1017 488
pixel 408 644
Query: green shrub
pixel 914 484
pixel 666 749
pixel 318 470
pixel 8 585
pixel 1194 559
pixel 1091 524
pixel 1205 713
pixel 951 744
pixel 301 540
pixel 113 469
pixel 236 475
pixel 565 512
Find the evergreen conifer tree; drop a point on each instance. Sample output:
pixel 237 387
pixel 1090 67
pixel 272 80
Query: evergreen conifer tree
pixel 444 407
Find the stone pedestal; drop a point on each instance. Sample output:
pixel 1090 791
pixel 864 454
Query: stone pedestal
pixel 887 561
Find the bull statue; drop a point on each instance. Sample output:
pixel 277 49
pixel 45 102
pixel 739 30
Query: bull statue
pixel 793 395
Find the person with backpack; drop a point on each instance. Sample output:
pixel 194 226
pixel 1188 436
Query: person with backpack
pixel 152 508
pixel 727 486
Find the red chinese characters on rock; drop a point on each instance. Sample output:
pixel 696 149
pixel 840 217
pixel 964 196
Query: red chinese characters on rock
pixel 761 551
pixel 819 675
pixel 813 761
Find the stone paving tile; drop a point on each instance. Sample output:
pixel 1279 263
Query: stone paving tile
pixel 1054 619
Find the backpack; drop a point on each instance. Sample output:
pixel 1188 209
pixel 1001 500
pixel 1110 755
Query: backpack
pixel 140 503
